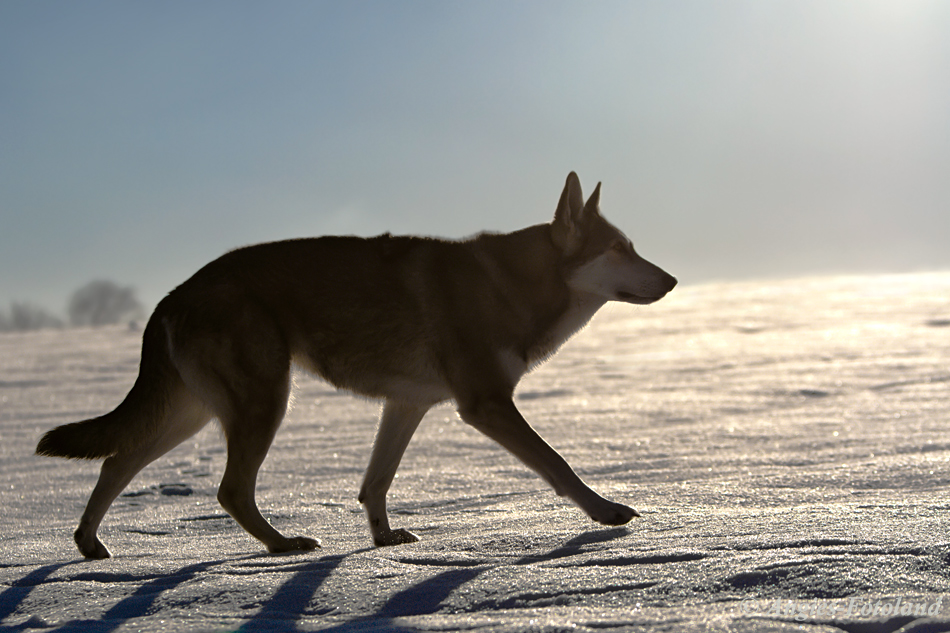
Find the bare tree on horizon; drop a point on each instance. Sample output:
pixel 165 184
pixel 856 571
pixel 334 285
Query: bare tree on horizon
pixel 27 316
pixel 103 302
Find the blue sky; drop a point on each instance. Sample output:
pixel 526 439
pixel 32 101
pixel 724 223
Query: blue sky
pixel 139 140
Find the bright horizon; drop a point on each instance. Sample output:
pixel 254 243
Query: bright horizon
pixel 734 140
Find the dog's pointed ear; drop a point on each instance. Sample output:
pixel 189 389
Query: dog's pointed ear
pixel 566 230
pixel 593 203
pixel 572 189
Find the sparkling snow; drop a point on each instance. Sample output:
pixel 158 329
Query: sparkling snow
pixel 785 442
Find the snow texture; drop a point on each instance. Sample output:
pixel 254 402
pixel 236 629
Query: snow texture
pixel 785 443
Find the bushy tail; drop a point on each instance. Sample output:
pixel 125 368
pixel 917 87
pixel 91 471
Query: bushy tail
pixel 133 421
pixel 90 439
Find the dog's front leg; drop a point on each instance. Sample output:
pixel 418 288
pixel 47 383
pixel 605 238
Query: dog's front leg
pixel 396 425
pixel 499 419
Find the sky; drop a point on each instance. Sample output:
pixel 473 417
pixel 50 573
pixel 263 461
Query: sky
pixel 734 139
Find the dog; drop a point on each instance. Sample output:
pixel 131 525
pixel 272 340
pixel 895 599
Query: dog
pixel 412 321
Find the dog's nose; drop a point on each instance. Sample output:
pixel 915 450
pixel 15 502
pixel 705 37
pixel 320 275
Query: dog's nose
pixel 669 282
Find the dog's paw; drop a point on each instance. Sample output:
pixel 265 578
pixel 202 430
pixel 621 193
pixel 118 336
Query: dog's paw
pixel 91 548
pixel 614 514
pixel 395 537
pixel 295 544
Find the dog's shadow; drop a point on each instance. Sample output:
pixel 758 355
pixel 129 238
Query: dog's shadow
pixel 577 545
pixel 291 601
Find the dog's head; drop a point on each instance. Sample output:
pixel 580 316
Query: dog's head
pixel 599 259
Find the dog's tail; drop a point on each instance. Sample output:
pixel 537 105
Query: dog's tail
pixel 135 419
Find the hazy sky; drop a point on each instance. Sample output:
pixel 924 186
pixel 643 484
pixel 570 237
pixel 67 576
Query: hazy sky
pixel 139 140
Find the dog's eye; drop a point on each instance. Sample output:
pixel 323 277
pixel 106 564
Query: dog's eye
pixel 620 246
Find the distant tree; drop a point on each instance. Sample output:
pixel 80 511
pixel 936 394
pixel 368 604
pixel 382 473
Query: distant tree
pixel 26 316
pixel 103 302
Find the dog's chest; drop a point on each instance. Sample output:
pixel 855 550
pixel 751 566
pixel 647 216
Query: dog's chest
pixel 580 310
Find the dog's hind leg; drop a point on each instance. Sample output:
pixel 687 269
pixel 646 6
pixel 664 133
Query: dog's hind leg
pixel 238 363
pixel 249 436
pixel 257 403
pixel 185 417
pixel 397 424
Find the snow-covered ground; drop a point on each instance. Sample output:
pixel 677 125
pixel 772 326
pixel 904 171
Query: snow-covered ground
pixel 786 444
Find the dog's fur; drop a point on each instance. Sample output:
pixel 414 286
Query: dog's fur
pixel 412 321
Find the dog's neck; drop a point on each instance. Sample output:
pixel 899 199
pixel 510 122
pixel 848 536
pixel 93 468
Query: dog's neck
pixel 580 309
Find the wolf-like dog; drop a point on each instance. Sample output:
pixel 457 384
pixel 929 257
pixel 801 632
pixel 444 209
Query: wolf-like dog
pixel 412 321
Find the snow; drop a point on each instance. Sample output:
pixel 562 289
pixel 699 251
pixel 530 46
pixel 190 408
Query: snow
pixel 784 442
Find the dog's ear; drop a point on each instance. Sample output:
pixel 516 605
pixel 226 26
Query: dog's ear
pixel 566 228
pixel 593 203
